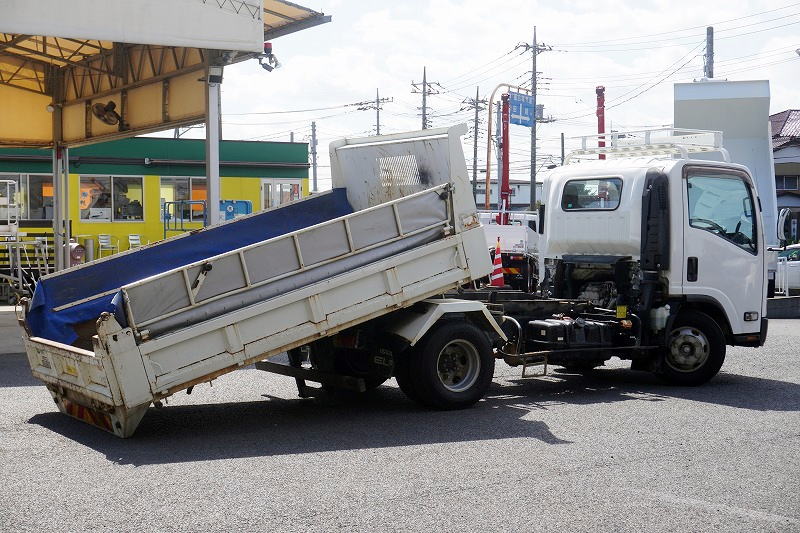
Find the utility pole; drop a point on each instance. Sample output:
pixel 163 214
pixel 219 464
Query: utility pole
pixel 424 98
pixel 498 136
pixel 709 66
pixel 425 88
pixel 536 49
pixel 504 198
pixel 477 104
pixel 377 112
pixel 314 156
pixel 601 117
pixel 562 148
pixel 533 126
pixel 376 105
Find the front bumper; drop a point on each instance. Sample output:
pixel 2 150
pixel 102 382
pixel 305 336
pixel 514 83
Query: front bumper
pixel 753 339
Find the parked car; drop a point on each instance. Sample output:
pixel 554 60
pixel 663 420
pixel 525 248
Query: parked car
pixel 791 255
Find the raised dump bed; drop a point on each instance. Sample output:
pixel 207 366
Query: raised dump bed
pixel 400 226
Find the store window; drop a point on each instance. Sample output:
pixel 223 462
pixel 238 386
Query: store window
pixel 128 198
pixel 183 190
pixel 266 198
pixel 34 195
pixel 39 204
pixel 787 183
pixel 7 189
pixel 289 192
pixel 111 198
pixel 275 192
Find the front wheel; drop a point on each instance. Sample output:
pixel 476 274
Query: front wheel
pixel 451 368
pixel 695 350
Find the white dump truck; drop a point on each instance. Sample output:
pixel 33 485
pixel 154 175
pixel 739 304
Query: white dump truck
pixel 341 280
pixel 650 255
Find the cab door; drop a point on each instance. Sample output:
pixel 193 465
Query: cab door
pixel 723 243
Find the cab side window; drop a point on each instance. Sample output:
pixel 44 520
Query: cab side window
pixel 722 204
pixel 591 194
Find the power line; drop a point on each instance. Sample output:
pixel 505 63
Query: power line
pixel 595 50
pixel 718 23
pixel 647 83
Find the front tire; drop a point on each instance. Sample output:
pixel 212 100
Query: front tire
pixel 695 350
pixel 451 368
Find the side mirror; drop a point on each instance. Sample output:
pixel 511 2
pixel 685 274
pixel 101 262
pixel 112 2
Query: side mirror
pixel 783 225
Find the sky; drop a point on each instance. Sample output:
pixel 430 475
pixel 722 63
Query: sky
pixel 636 49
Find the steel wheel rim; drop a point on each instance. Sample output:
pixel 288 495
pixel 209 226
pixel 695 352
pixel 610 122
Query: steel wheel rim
pixel 688 349
pixel 458 365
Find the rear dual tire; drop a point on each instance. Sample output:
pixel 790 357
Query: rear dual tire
pixel 450 368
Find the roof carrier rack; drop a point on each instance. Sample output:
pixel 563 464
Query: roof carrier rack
pixel 655 142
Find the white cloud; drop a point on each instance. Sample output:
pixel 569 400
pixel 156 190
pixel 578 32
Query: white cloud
pixel 384 45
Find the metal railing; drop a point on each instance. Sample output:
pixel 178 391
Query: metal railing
pixel 9 209
pixel 782 277
pixel 172 214
pixel 662 141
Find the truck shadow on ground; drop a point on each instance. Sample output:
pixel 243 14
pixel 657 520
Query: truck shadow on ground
pixel 385 418
pixel 619 384
pixel 278 426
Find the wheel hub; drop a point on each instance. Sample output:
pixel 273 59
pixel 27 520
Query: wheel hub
pixel 458 365
pixel 689 349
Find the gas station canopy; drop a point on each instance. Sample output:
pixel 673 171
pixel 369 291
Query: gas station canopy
pixel 85 71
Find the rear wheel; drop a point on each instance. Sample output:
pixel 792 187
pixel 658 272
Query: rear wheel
pixel 695 350
pixel 451 368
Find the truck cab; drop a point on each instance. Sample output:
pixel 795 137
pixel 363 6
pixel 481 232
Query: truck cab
pixel 673 243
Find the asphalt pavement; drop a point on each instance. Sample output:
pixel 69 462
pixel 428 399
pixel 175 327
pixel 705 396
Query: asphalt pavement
pixel 615 451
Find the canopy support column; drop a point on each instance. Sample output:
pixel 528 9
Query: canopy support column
pixel 67 226
pixel 58 192
pixel 58 219
pixel 213 128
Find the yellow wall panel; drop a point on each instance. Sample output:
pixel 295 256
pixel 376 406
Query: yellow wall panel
pixel 74 121
pixel 187 97
pixel 144 106
pixel 24 118
pixel 234 188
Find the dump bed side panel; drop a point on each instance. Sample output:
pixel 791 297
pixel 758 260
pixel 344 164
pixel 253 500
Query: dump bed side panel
pixel 257 273
pixel 65 299
pixel 253 333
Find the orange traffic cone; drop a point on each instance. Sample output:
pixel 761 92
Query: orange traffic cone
pixel 497 274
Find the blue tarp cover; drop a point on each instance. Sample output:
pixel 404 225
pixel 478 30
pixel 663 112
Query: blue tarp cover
pixel 111 274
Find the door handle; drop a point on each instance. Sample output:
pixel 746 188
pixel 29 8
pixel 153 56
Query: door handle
pixel 691 269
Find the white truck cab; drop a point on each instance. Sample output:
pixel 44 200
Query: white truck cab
pixel 676 242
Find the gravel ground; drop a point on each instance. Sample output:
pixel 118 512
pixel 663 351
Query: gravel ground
pixel 617 451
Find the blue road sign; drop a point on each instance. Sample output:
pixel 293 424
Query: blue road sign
pixel 520 109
